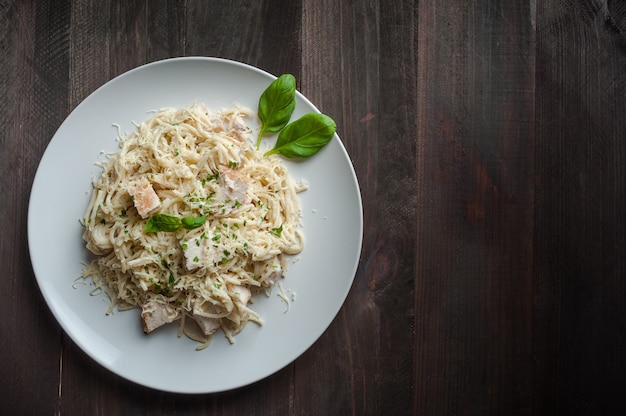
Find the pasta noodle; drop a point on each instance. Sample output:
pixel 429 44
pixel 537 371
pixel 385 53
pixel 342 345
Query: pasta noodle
pixel 239 212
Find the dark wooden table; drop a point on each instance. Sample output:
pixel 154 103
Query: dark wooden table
pixel 489 139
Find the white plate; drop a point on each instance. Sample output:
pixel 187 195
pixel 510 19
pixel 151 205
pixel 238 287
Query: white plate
pixel 321 278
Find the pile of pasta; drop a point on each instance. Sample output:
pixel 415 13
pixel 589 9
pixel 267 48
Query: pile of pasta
pixel 239 217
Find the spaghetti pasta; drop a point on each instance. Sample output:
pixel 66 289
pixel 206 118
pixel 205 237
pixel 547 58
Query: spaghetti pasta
pixel 239 212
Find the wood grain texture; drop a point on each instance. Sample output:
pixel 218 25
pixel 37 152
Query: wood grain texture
pixel 579 288
pixel 264 33
pixel 343 75
pixel 475 208
pixel 488 138
pixel 34 102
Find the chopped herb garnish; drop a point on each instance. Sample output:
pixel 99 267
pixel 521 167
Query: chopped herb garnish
pixel 277 231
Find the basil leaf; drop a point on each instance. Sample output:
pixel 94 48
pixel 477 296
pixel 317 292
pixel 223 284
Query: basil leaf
pixel 276 105
pixel 190 223
pixel 162 222
pixel 305 136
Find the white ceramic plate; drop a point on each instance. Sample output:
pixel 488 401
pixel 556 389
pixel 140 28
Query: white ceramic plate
pixel 321 278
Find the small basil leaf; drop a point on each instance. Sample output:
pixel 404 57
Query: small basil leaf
pixel 276 105
pixel 305 136
pixel 162 222
pixel 190 223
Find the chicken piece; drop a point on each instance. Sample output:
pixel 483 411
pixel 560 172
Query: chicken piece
pixel 145 198
pixel 241 292
pixel 200 253
pixel 273 277
pixel 234 185
pixel 155 314
pixel 206 316
pixel 268 272
pixel 207 325
pixel 233 192
pixel 238 129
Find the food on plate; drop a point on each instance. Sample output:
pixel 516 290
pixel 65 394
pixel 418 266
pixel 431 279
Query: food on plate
pixel 188 220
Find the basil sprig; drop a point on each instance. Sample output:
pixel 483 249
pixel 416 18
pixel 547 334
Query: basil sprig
pixel 305 136
pixel 276 105
pixel 171 223
pixel 301 139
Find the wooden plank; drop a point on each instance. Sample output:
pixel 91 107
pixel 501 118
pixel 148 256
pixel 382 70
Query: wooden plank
pixel 474 210
pixel 579 321
pixel 34 44
pixel 362 73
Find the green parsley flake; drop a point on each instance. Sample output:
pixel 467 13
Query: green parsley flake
pixel 277 231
